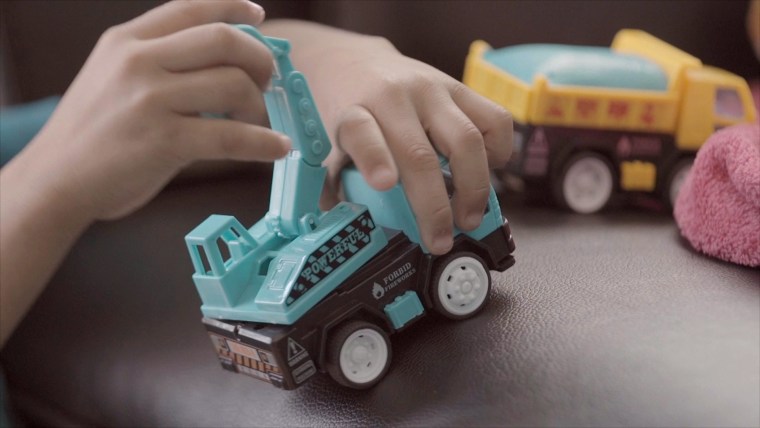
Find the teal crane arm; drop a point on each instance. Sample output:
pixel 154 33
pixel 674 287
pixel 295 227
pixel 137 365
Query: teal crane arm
pixel 298 178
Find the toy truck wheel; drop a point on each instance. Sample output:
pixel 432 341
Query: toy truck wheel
pixel 460 285
pixel 359 354
pixel 675 180
pixel 586 183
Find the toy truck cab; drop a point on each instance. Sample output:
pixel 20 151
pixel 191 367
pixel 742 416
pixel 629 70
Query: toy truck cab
pixel 392 210
pixel 713 99
pixel 705 98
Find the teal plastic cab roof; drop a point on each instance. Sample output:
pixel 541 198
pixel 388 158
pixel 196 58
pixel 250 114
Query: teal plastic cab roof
pixel 579 66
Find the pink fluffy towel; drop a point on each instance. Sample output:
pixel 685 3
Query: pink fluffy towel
pixel 718 206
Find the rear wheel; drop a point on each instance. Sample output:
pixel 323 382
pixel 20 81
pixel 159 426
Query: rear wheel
pixel 585 184
pixel 460 285
pixel 358 354
pixel 675 180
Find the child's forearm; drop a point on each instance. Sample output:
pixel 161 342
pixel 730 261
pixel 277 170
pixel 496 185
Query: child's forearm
pixel 318 51
pixel 39 225
pixel 316 45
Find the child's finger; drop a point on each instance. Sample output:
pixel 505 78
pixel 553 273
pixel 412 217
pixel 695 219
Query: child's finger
pixel 178 15
pixel 211 139
pixel 459 140
pixel 212 45
pixel 222 90
pixel 360 137
pixel 420 173
pixel 493 121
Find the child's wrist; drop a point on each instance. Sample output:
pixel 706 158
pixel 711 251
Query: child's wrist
pixel 40 194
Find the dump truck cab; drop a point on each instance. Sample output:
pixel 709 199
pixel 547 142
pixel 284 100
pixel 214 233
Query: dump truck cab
pixel 712 99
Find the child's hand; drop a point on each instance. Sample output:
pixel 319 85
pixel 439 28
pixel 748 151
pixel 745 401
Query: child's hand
pixel 130 120
pixel 393 113
pixel 390 114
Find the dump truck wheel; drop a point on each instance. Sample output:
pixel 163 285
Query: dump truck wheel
pixel 460 286
pixel 586 183
pixel 358 354
pixel 675 180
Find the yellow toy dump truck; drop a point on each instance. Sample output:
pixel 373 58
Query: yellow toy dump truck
pixel 593 122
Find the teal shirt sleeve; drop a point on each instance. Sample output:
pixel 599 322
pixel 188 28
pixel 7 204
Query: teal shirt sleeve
pixel 19 124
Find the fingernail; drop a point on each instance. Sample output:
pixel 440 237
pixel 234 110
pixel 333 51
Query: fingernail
pixel 383 178
pixel 442 243
pixel 472 221
pixel 259 10
pixel 286 143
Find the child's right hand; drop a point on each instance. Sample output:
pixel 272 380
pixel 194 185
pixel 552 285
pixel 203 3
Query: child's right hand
pixel 130 120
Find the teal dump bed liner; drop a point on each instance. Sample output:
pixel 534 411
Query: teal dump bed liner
pixel 566 65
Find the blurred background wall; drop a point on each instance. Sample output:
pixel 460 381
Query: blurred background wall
pixel 45 42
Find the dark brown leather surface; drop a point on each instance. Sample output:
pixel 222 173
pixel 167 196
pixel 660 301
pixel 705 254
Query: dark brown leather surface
pixel 604 320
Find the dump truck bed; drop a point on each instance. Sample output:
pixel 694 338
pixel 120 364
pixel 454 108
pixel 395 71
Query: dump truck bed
pixel 575 86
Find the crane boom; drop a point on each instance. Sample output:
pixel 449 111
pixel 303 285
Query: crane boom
pixel 298 178
pixel 296 255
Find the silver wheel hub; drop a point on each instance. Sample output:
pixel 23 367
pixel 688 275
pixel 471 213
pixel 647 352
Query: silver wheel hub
pixel 588 185
pixel 463 286
pixel 363 356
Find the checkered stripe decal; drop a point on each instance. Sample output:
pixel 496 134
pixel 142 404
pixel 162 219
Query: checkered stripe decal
pixel 339 249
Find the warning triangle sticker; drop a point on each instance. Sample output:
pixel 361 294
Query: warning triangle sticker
pixel 294 349
pixel 539 141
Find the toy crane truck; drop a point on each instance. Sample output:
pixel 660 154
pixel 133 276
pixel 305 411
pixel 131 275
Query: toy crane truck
pixel 304 291
pixel 593 122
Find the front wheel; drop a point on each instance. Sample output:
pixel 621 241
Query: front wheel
pixel 585 184
pixel 358 354
pixel 460 285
